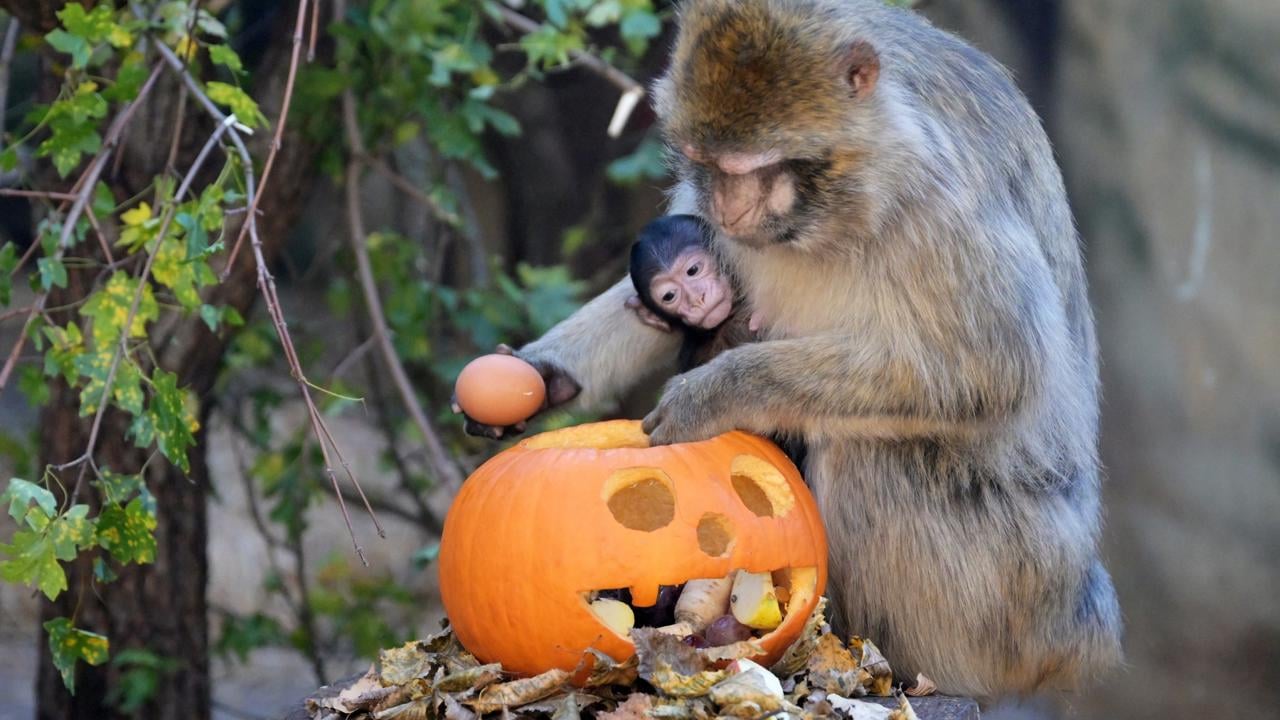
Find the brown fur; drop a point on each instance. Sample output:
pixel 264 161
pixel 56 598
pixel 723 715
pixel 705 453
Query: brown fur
pixel 929 333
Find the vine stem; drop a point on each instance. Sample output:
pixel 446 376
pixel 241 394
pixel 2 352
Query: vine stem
pixel 294 58
pixel 122 348
pixel 267 286
pixel 85 186
pixel 444 467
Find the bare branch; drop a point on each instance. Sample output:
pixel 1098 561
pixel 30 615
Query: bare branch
pixel 442 464
pixel 275 140
pixel 6 61
pixel 266 283
pixel 404 185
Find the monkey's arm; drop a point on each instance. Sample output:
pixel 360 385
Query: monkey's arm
pixel 604 348
pixel 849 384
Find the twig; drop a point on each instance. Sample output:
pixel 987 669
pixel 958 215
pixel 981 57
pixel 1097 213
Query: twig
pixel 6 61
pixel 39 194
pixel 632 91
pixel 440 461
pixel 315 30
pixel 123 348
pixel 86 184
pixel 275 140
pixel 404 185
pixel 267 286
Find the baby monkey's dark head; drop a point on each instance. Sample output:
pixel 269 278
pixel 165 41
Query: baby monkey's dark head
pixel 675 275
pixel 758 103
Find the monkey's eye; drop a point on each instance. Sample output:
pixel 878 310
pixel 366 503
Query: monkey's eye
pixel 693 270
pixel 669 296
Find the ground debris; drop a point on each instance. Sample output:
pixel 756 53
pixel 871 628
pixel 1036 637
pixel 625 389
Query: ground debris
pixel 819 676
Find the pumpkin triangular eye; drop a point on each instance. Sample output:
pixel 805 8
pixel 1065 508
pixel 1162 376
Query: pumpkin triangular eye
pixel 761 486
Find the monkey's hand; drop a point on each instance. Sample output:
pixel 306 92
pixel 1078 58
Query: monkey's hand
pixel 560 389
pixel 690 409
pixel 646 315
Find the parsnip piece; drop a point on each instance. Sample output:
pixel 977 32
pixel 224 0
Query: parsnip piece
pixel 702 601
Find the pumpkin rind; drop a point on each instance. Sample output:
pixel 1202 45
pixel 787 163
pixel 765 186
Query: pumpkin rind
pixel 531 533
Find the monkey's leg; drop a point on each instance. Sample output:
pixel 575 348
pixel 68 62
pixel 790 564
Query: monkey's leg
pixel 605 348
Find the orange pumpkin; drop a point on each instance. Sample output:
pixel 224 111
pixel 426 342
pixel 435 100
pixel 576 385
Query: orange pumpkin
pixel 543 524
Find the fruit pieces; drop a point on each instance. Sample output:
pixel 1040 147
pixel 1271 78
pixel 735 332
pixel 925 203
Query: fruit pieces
pixel 753 601
pixel 702 601
pixel 615 614
pixel 726 630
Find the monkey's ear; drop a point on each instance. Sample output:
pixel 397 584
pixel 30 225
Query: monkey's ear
pixel 862 68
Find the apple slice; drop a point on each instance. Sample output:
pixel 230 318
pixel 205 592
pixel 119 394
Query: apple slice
pixel 753 601
pixel 615 614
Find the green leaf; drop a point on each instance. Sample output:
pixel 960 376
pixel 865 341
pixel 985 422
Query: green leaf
pixel 167 421
pixel 646 164
pixel 109 309
pixel 52 272
pixel 31 381
pixel 77 47
pixel 68 644
pixel 425 555
pixel 70 531
pixel 21 493
pixel 8 261
pixel 9 159
pixel 119 488
pixel 244 107
pixel 128 532
pixel 102 572
pixel 32 561
pixel 226 57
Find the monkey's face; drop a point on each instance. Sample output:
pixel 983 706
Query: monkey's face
pixel 693 290
pixel 758 103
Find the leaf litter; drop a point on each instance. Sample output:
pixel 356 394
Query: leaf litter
pixel 819 676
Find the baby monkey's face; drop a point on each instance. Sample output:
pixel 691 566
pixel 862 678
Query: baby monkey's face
pixel 693 290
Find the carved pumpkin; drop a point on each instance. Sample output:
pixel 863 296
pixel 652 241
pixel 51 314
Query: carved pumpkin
pixel 543 524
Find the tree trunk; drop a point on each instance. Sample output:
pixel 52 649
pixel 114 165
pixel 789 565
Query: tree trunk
pixel 161 607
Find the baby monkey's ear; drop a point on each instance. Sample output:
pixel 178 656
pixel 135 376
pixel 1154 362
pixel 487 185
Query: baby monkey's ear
pixel 862 68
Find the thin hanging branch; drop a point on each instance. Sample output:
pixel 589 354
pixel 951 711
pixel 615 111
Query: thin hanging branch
pixel 267 286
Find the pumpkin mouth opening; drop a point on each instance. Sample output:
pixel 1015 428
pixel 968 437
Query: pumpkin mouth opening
pixel 786 593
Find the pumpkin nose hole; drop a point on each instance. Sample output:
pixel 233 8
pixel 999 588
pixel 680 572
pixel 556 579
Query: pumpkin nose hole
pixel 715 534
pixel 641 498
pixel 761 486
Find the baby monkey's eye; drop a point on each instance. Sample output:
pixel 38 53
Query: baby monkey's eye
pixel 693 270
pixel 671 295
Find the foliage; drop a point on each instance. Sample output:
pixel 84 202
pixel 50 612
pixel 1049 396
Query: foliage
pixel 128 266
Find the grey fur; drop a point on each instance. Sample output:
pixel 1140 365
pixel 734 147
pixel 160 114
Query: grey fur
pixel 931 341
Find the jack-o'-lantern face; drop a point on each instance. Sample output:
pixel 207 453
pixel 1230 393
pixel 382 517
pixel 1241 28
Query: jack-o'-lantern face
pixel 540 527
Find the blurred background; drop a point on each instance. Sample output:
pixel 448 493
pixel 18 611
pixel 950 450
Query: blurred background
pixel 518 206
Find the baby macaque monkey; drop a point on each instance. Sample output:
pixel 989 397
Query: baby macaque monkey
pixel 681 286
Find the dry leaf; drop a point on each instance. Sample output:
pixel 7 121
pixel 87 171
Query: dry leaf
pixel 749 684
pixel 635 707
pixel 797 655
pixel 870 659
pixel 858 709
pixel 670 682
pixel 402 664
pixel 607 671
pixel 733 651
pixel 419 709
pixel 924 686
pixel 519 692
pixel 653 647
pixel 830 655
pixel 474 678
pixel 904 711
pixel 453 710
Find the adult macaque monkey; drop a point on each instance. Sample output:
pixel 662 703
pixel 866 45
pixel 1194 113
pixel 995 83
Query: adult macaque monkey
pixel 889 201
